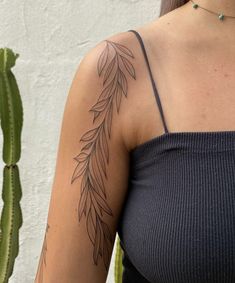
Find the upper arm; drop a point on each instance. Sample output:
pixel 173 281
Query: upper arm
pixel 92 168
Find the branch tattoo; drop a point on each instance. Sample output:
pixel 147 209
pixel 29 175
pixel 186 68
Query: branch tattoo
pixel 94 156
pixel 42 263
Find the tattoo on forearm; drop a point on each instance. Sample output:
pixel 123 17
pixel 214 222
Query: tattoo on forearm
pixel 42 261
pixel 94 155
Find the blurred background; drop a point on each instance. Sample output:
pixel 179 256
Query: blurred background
pixel 52 37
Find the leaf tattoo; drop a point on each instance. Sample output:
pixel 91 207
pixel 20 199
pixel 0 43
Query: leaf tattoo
pixel 94 156
pixel 42 262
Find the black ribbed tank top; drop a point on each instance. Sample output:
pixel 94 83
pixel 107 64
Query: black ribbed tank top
pixel 178 220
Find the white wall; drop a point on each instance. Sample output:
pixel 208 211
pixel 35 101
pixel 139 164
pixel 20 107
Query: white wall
pixel 51 37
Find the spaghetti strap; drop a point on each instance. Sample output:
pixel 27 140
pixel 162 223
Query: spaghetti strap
pixel 151 77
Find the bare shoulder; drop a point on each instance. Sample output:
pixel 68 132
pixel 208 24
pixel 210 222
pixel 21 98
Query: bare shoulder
pixel 160 38
pixel 119 46
pixel 120 78
pixel 113 72
pixel 107 72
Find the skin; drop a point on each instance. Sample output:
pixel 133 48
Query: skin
pixel 192 58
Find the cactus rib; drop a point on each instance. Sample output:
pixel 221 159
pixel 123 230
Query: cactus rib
pixel 11 115
pixel 11 221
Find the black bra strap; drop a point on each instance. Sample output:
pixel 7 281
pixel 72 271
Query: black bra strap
pixel 152 79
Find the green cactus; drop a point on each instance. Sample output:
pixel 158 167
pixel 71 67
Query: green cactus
pixel 118 262
pixel 11 116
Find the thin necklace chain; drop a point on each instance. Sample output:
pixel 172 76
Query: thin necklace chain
pixel 221 16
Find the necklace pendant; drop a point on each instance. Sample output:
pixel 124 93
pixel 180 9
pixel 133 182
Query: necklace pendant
pixel 195 6
pixel 221 17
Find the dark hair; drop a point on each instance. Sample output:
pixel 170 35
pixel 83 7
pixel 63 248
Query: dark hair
pixel 169 5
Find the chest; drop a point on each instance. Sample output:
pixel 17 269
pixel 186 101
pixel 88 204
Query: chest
pixel 197 87
pixel 178 222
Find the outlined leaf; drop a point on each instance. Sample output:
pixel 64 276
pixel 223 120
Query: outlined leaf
pixel 107 232
pixel 129 67
pixel 100 105
pixel 87 146
pixel 41 272
pixel 96 174
pixel 85 209
pixel 42 261
pixel 97 242
pixel 81 157
pixel 107 92
pixel 103 59
pixel 124 49
pixel 84 182
pixel 118 98
pixel 89 135
pixel 100 157
pixel 109 69
pixel 96 116
pixel 91 220
pixel 95 184
pixel 122 81
pixel 82 202
pixel 109 119
pixel 104 143
pixel 98 209
pixel 102 203
pixel 88 203
pixel 79 170
pixel 101 238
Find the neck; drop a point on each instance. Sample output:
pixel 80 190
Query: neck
pixel 227 7
pixel 204 19
pixel 208 24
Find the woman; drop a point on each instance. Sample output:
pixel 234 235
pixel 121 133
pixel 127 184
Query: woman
pixel 147 149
